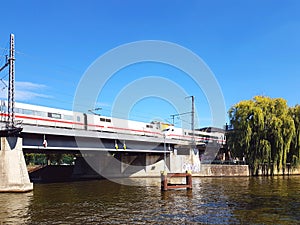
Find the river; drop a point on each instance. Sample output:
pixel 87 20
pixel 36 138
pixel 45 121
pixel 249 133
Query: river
pixel 247 200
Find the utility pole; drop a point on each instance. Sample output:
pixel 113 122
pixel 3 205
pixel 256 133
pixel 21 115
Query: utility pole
pixel 193 121
pixel 173 117
pixel 11 128
pixel 13 172
pixel 11 87
pixel 193 115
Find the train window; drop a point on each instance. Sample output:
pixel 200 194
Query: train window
pixel 68 117
pixel 78 118
pixel 18 110
pixel 39 113
pixel 28 112
pixel 149 126
pixel 3 108
pixel 54 115
pixel 102 119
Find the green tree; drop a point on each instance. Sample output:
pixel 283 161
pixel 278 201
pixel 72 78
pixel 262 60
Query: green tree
pixel 35 158
pixel 294 154
pixel 263 129
pixel 55 159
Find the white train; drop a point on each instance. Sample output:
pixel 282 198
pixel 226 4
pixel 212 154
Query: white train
pixel 52 117
pixel 199 136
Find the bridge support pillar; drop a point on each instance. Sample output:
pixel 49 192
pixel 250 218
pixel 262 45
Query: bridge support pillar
pixel 13 172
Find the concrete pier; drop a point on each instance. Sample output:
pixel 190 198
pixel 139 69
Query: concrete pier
pixel 13 172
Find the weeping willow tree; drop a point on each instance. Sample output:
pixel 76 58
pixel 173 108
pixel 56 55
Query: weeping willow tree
pixel 294 154
pixel 263 129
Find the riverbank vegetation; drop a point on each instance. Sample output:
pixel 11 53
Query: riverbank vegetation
pixel 265 131
pixel 49 159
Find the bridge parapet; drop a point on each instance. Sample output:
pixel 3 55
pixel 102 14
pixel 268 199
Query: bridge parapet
pixel 61 139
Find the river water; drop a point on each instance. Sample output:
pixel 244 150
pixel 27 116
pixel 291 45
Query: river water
pixel 248 200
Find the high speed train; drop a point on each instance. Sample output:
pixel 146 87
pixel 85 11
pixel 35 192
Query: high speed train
pixel 52 117
pixel 198 135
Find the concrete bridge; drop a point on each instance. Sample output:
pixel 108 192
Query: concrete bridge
pixel 72 140
pixel 110 155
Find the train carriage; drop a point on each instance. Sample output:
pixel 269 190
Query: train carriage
pixel 52 117
pixel 40 115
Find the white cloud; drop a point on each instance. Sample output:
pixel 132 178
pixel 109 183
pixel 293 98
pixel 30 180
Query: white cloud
pixel 25 91
pixel 29 95
pixel 103 104
pixel 29 86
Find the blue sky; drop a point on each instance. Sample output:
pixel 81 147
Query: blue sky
pixel 252 47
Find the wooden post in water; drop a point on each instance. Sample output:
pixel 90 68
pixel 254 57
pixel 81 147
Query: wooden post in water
pixel 164 181
pixel 189 180
pixel 165 177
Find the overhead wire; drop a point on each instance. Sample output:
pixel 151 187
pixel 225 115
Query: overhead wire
pixel 3 82
pixel 3 55
pixel 50 78
pixel 55 70
pixel 70 103
pixel 143 115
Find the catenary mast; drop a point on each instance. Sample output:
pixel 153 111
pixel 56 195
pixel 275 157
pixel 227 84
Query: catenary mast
pixel 11 87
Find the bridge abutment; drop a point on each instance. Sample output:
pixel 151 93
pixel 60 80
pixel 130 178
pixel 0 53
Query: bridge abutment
pixel 13 172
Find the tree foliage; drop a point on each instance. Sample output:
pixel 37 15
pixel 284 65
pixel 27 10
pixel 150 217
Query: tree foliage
pixel 53 159
pixel 294 154
pixel 264 129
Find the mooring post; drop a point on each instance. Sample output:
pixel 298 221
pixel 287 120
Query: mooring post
pixel 189 180
pixel 165 185
pixel 164 180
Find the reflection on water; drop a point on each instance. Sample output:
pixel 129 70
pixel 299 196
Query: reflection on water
pixel 14 208
pixel 211 201
pixel 270 201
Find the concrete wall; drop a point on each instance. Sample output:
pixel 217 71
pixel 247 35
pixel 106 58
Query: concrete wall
pixel 107 165
pixel 287 171
pixel 211 170
pixel 149 165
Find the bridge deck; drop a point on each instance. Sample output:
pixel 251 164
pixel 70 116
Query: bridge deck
pixel 97 134
pixel 62 139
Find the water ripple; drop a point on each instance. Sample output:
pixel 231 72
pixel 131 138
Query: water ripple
pixel 211 201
